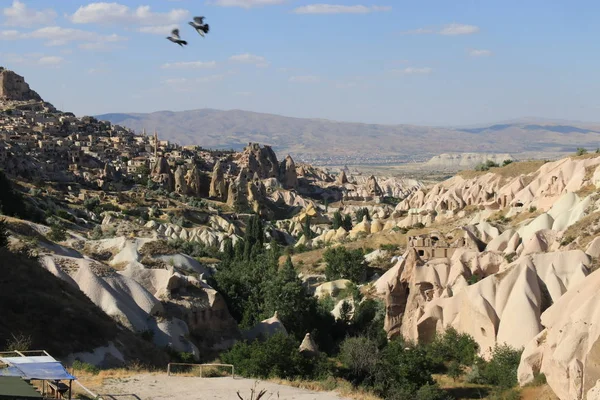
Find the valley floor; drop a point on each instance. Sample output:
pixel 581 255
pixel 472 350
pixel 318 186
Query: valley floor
pixel 163 387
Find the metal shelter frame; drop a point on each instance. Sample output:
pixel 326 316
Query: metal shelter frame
pixel 41 366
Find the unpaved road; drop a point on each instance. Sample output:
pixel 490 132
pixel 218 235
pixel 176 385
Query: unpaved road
pixel 163 387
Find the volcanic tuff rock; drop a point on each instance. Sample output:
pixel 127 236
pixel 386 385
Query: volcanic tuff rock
pixel 14 87
pixel 288 175
pixel 162 174
pixel 218 184
pixel 193 181
pixel 180 182
pixel 567 351
pixel 260 160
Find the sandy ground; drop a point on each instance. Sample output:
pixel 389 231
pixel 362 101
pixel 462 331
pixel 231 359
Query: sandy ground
pixel 163 387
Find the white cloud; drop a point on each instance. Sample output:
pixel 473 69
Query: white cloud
pixel 459 29
pixel 248 58
pixel 246 3
pixel 304 79
pixel 480 52
pixel 190 65
pixel 58 36
pixel 448 30
pixel 50 60
pixel 19 15
pixel 9 35
pixel 115 13
pixel 338 9
pixel 243 94
pixel 415 70
pixel 157 29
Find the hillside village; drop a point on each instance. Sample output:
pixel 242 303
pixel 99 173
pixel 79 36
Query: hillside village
pixel 179 253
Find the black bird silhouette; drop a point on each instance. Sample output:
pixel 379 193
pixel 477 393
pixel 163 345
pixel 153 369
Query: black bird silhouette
pixel 175 38
pixel 199 25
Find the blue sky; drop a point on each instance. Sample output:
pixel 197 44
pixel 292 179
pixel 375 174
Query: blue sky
pixel 428 62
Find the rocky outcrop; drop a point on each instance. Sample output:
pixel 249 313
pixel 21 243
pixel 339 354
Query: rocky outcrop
pixel 539 189
pixel 237 196
pixel 372 187
pixel 180 182
pixel 287 172
pixel 260 160
pixel 308 347
pixel 503 307
pixel 161 174
pixel 193 182
pixel 218 184
pixel 14 87
pixel 341 179
pixel 567 351
pixel 257 198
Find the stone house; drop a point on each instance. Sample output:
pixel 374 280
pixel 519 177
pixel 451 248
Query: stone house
pixel 436 245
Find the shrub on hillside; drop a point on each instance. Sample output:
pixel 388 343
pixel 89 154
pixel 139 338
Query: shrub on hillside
pixel 359 355
pixel 344 264
pixel 57 233
pixel 581 151
pixel 486 166
pixel 452 346
pixel 501 370
pixel 277 356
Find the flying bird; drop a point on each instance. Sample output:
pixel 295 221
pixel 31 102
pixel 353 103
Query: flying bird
pixel 175 38
pixel 199 25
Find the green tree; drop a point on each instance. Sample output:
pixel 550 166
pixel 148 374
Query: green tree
pixel 455 370
pixel 278 356
pixel 337 220
pixel 404 368
pixel 3 234
pixel 344 264
pixel 581 151
pixel 347 223
pixel 57 233
pixel 287 295
pixel 360 356
pixel 507 162
pixel 306 231
pixel 501 370
pixel 361 213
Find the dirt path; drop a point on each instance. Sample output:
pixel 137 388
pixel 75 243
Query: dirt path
pixel 163 387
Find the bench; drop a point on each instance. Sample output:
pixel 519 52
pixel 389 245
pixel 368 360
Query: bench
pixel 57 388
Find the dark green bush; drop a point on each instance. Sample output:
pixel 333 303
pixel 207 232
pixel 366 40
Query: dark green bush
pixel 345 264
pixel 278 356
pixel 82 366
pixel 452 346
pixel 501 370
pixel 57 233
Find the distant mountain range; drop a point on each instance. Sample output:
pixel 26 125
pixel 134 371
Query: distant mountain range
pixel 331 141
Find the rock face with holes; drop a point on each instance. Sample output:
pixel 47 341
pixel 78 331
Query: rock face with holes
pixel 260 160
pixel 478 293
pixel 14 87
pixel 162 174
